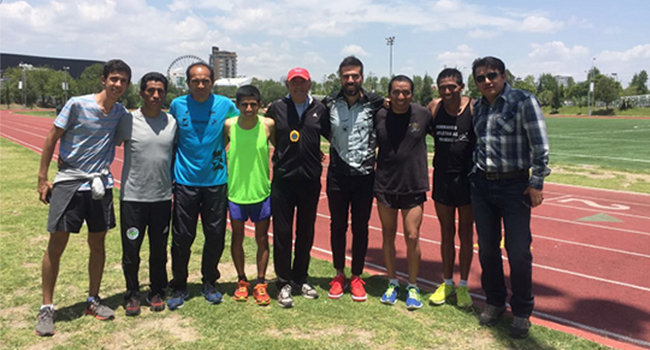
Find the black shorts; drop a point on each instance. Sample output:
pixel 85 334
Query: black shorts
pixel 99 215
pixel 401 201
pixel 451 188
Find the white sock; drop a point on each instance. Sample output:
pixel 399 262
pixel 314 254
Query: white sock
pixel 462 283
pixel 449 281
pixel 51 306
pixel 412 285
pixel 393 281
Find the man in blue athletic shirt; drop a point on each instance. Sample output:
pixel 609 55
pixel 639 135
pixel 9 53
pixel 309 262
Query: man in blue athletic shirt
pixel 200 182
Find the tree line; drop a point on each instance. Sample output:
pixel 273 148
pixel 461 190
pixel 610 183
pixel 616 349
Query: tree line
pixel 44 87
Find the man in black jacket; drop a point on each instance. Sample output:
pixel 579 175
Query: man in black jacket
pixel 299 123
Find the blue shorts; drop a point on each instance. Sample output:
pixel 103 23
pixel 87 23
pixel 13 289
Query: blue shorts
pixel 257 211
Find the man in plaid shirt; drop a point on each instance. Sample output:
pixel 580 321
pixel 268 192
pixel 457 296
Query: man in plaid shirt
pixel 510 163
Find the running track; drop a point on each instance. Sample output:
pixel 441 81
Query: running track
pixel 591 251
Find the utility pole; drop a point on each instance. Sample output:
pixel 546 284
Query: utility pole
pixel 389 41
pixel 22 84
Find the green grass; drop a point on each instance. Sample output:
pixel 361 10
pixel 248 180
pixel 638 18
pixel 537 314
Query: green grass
pixel 575 110
pixel 322 323
pixel 49 114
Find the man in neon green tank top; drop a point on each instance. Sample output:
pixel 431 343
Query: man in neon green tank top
pixel 249 187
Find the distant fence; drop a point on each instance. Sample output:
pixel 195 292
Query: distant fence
pixel 636 100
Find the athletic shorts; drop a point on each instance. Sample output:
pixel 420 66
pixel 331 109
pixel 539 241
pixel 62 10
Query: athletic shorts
pixel 99 215
pixel 257 211
pixel 401 201
pixel 451 188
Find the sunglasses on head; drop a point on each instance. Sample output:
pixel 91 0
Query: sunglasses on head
pixel 491 76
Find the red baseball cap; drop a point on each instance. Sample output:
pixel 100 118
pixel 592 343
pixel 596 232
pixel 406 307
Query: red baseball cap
pixel 298 72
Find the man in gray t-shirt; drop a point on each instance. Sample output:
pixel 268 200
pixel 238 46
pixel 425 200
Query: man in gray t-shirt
pixel 145 200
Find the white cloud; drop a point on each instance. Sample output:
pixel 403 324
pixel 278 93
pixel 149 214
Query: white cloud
pixel 462 55
pixel 354 50
pixel 540 24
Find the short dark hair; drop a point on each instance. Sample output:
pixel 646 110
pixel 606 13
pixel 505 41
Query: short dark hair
pixel 247 91
pixel 152 76
pixel 450 73
pixel 400 77
pixel 490 62
pixel 201 63
pixel 116 65
pixel 351 61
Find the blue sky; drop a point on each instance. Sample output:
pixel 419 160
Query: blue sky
pixel 270 37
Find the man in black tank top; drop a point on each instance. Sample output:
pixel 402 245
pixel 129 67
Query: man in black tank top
pixel 452 162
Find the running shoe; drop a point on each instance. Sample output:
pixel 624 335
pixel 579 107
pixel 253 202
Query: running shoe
pixel 132 307
pixel 177 299
pixel 441 294
pixel 308 291
pixel 413 300
pixel 463 299
pixel 241 293
pixel 260 294
pixel 211 294
pixel 390 295
pixel 357 290
pixel 336 287
pixel 490 315
pixel 156 303
pixel 284 297
pixel 95 308
pixel 519 327
pixel 45 325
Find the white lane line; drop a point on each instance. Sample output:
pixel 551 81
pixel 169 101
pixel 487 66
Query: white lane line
pixel 633 160
pixel 620 251
pixel 581 223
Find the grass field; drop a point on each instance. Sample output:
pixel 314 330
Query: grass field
pixel 575 110
pixel 311 324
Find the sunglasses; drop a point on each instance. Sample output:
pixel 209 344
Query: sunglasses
pixel 491 76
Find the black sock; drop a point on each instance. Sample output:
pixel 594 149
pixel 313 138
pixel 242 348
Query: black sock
pixel 260 280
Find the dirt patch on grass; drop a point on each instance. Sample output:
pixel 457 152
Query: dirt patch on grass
pixel 357 335
pixel 597 173
pixel 170 329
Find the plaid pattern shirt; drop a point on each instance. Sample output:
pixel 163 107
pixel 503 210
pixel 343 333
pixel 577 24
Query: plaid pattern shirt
pixel 511 135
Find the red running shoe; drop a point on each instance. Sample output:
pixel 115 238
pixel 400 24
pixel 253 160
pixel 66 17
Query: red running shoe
pixel 357 289
pixel 336 287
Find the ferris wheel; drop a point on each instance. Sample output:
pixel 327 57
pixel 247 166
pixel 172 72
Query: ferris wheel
pixel 176 70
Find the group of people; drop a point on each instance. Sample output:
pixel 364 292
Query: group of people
pixel 212 157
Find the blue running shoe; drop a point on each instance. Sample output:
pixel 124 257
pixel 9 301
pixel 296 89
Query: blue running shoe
pixel 211 294
pixel 390 295
pixel 413 300
pixel 177 299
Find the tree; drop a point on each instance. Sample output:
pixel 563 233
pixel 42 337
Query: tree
pixel 528 84
pixel 90 80
pixel 331 84
pixel 548 91
pixel 425 90
pixel 270 90
pixel 639 82
pixel 606 90
pixel 472 89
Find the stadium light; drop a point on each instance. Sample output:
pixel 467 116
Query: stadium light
pixel 390 41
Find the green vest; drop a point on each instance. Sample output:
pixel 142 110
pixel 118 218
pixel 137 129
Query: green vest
pixel 248 165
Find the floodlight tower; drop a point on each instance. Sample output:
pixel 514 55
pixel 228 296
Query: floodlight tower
pixel 390 41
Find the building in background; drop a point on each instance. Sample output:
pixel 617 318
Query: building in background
pixel 224 63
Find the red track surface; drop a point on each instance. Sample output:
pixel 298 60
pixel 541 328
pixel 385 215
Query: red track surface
pixel 591 251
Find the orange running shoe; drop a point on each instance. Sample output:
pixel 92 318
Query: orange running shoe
pixel 260 295
pixel 241 293
pixel 357 290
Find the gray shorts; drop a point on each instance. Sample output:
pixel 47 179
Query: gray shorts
pixel 69 209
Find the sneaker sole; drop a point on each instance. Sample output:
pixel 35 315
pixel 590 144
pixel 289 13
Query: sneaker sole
pixel 388 302
pixel 286 306
pixel 491 322
pixel 236 298
pixel 262 302
pixel 359 299
pixel 101 318
pixel 44 334
pixel 334 296
pixel 157 308
pixel 309 297
pixel 172 308
pixel 413 307
pixel 132 313
pixel 436 302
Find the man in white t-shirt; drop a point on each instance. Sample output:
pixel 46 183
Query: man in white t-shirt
pixel 145 202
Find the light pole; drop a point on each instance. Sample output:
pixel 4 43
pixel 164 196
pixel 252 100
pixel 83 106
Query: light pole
pixel 66 69
pixel 389 41
pixel 591 88
pixel 23 83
